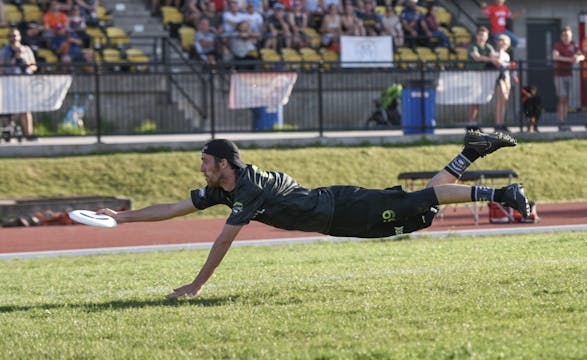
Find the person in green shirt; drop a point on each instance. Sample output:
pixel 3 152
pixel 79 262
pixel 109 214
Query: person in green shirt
pixel 480 57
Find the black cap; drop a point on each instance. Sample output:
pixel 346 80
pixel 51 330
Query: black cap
pixel 224 149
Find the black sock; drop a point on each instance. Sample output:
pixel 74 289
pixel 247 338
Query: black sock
pixel 461 162
pixel 483 193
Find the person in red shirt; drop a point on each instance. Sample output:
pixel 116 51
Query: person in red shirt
pixel 498 14
pixel 565 53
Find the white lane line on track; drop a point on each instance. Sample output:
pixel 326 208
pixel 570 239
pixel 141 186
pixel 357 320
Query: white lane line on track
pixel 286 241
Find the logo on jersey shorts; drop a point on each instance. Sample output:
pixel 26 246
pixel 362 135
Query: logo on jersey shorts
pixel 237 207
pixel 388 216
pixel 202 192
pixel 398 230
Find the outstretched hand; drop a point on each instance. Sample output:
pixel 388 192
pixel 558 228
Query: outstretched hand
pixel 108 212
pixel 190 289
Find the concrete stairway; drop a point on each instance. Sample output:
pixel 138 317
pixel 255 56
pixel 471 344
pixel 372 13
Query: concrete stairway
pixel 134 17
pixel 145 32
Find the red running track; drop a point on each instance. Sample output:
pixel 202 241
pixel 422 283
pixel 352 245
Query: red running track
pixel 183 231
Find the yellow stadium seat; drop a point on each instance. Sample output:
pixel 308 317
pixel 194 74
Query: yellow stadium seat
pixel 169 10
pixel 102 14
pixel 462 55
pixel 443 16
pixel 310 55
pixel 314 36
pixel 292 57
pixel 444 56
pixel 186 37
pixel 172 17
pixel 31 12
pixel 329 57
pixel 426 54
pixel 408 57
pixel 111 55
pixel 138 58
pixel 461 35
pixel 12 14
pixel 116 36
pixel 98 37
pixel 48 55
pixel 269 56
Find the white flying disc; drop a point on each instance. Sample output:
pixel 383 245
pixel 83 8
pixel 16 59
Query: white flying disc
pixel 91 218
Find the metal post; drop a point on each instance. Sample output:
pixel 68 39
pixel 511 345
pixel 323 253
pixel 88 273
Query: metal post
pixel 522 116
pixel 422 99
pixel 320 100
pixel 98 115
pixel 212 101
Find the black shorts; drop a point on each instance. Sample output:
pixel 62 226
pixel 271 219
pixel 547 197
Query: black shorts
pixel 368 213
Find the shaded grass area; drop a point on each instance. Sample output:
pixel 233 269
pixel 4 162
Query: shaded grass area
pixel 457 297
pixel 550 170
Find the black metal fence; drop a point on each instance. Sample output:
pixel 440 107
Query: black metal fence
pixel 177 95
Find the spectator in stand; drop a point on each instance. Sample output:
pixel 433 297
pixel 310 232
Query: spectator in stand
pixel 325 5
pixel 64 5
pixel 350 23
pixel 231 18
pixel 499 13
pixel 331 28
pixel 214 17
pixel 2 21
pixel 315 13
pixel 17 58
pixel 298 23
pixel 413 23
pixel 480 56
pixel 393 26
pixel 156 4
pixel 243 43
pixel 67 45
pixel 501 60
pixel 32 35
pixel 433 29
pixel 54 20
pixel 259 6
pixel 565 54
pixel 370 19
pixel 205 42
pixel 254 18
pixel 279 34
pixel 191 12
pixel 88 10
pixel 77 24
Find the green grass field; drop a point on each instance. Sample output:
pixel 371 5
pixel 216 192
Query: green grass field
pixel 450 298
pixel 551 171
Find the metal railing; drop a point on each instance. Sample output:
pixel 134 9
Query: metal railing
pixel 181 96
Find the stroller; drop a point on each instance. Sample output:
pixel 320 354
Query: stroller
pixel 9 128
pixel 73 122
pixel 386 113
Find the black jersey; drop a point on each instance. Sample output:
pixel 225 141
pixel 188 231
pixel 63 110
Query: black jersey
pixel 273 198
pixel 276 199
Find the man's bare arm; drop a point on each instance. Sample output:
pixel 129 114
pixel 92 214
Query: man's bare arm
pixel 219 249
pixel 155 212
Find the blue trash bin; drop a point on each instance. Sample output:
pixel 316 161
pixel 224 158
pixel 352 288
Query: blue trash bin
pixel 413 120
pixel 264 118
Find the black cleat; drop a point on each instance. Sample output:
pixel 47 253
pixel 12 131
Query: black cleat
pixel 515 198
pixel 484 143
